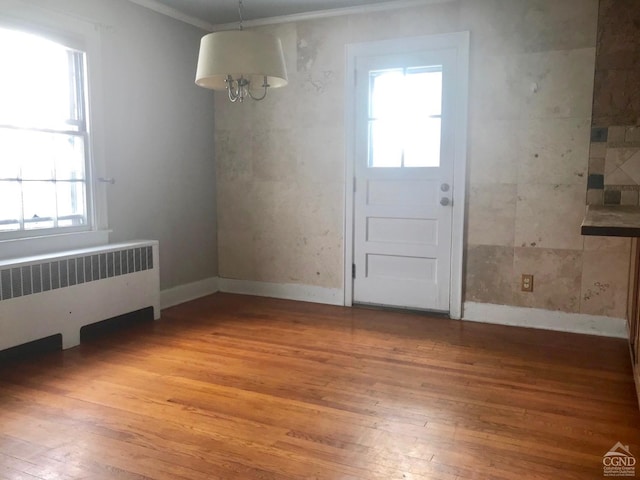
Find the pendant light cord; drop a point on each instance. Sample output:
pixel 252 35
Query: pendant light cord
pixel 240 7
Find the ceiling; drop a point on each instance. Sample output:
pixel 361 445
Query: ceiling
pixel 217 12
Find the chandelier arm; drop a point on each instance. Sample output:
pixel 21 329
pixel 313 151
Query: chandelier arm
pixel 234 89
pixel 265 85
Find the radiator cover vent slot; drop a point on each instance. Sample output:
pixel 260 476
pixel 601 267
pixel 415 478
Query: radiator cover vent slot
pixel 26 280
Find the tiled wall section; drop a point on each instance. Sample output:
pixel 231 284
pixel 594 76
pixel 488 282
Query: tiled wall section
pixel 616 99
pixel 614 166
pixel 281 162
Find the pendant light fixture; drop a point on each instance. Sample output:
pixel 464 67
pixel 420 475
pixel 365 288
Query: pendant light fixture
pixel 245 64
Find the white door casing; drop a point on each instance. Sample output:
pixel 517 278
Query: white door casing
pixel 407 247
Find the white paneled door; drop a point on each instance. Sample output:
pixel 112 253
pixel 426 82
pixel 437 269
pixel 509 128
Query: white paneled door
pixel 404 150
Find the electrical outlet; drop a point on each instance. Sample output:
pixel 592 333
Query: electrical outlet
pixel 527 283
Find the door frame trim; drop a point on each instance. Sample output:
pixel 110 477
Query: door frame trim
pixel 460 42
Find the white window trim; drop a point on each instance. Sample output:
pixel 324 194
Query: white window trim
pixel 83 35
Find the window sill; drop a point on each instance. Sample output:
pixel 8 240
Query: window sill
pixel 27 247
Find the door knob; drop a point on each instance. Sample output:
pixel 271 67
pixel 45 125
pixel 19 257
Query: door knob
pixel 444 201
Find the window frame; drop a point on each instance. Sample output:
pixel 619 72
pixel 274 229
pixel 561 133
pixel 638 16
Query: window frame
pixel 85 36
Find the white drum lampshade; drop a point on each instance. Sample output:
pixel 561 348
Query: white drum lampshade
pixel 238 54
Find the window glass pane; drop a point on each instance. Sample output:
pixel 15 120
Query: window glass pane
pixel 385 147
pixel 39 200
pixel 405 107
pixel 10 148
pixel 71 204
pixel 40 94
pixel 384 94
pixel 35 155
pixel 422 147
pixel 68 152
pixel 10 206
pixel 425 85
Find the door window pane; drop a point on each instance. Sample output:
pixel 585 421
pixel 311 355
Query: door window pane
pixel 405 110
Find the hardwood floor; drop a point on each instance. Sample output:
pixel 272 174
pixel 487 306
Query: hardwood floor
pixel 234 387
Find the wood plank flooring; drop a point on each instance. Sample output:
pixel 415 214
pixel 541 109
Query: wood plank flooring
pixel 236 387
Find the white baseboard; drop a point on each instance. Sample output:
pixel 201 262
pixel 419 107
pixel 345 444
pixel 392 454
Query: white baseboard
pixel 545 319
pixel 287 291
pixel 190 291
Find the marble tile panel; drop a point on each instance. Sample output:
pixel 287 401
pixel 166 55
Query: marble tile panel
pixel 616 157
pixel 554 150
pixel 320 98
pixel 235 205
pixel 629 197
pixel 320 209
pixel 298 258
pixel 496 88
pixel 497 25
pixel 597 150
pixel 551 25
pixel 492 160
pixel 322 158
pixel 321 261
pixel 274 206
pixel 604 283
pixel 618 33
pixel 404 22
pixel 599 134
pixel 612 197
pixel 596 166
pixel 618 177
pixel 557 84
pixel 616 134
pixel 492 214
pixel 613 99
pixel 282 108
pixel 540 25
pixel 233 150
pixel 235 257
pixel 595 181
pixel 556 283
pixel 488 274
pixel 321 43
pixel 633 133
pixel 274 154
pixel 595 196
pixel 549 216
pixel 632 167
pixel 612 244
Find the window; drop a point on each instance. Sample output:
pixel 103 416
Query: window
pixel 405 115
pixel 44 138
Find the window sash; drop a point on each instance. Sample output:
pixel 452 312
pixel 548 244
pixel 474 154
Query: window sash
pixel 74 211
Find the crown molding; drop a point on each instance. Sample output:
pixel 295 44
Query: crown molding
pixel 173 13
pixel 298 17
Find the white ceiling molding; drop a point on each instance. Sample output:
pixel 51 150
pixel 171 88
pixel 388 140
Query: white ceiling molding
pixel 298 17
pixel 334 12
pixel 173 13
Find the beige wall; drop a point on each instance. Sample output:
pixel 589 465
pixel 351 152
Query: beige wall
pixel 280 163
pixel 156 130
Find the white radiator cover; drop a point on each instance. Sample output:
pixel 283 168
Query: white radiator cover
pixel 62 292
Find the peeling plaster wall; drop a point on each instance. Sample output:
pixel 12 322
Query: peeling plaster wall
pixel 281 162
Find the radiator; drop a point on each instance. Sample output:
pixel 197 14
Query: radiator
pixel 60 293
